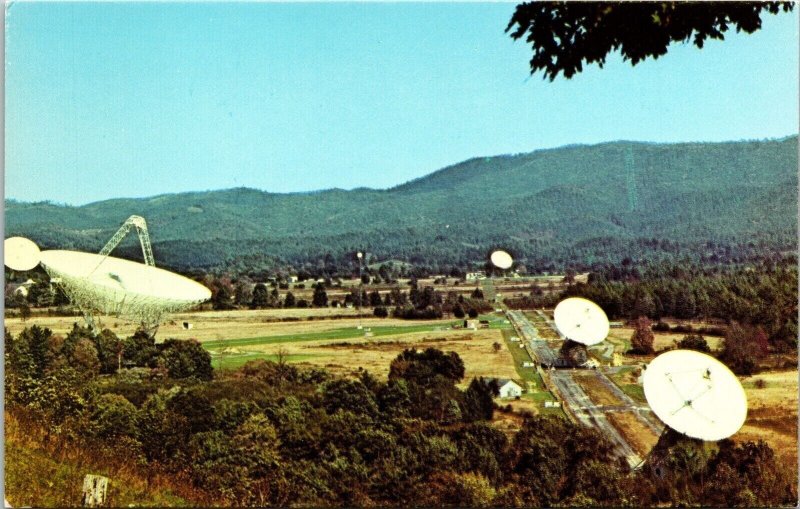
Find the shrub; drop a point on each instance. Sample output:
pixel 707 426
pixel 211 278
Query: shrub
pixel 113 416
pixel 694 342
pixel 661 327
pixel 185 358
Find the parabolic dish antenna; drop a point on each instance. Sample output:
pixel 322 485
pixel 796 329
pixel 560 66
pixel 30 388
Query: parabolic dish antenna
pixel 120 287
pixel 20 254
pixel 695 394
pixel 581 320
pixel 501 259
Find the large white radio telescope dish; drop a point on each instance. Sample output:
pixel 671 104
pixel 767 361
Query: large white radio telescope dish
pixel 581 320
pixel 501 259
pixel 20 254
pixel 101 283
pixel 120 287
pixel 695 394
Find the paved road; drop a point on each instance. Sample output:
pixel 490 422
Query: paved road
pixel 576 402
pixel 590 415
pixel 538 347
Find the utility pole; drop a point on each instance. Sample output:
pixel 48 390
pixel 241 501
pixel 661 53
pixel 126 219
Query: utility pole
pixel 359 255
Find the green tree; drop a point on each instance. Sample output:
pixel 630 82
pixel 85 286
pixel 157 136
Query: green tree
pixel 140 349
pixel 479 400
pixel 375 298
pixel 349 395
pixel 242 293
pixel 30 354
pixel 694 342
pixel 423 367
pixel 162 431
pixel 84 357
pixel 109 351
pixel 289 301
pixel 566 35
pixel 113 416
pixel 223 298
pixel 320 298
pixel 260 296
pixel 184 358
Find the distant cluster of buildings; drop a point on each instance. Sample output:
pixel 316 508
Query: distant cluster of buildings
pixel 480 275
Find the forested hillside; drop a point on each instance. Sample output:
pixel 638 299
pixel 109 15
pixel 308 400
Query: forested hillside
pixel 575 205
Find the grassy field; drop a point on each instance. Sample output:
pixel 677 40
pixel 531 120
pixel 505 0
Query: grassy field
pixel 772 413
pixel 622 336
pixel 336 333
pixel 52 475
pixel 219 325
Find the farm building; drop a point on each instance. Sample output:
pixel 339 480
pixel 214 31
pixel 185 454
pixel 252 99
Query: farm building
pixel 474 276
pixel 508 388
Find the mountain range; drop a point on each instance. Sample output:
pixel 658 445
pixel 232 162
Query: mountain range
pixel 574 205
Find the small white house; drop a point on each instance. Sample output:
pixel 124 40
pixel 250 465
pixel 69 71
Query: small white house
pixel 509 388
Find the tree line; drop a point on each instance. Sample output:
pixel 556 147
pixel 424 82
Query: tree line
pixel 762 296
pixel 272 434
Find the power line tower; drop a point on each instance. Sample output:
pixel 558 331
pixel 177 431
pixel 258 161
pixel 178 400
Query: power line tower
pixel 630 176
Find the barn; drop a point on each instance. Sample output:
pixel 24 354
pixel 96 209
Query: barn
pixel 508 388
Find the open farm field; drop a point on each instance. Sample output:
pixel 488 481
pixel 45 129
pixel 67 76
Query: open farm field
pixel 214 325
pixel 772 413
pixel 621 336
pixel 375 354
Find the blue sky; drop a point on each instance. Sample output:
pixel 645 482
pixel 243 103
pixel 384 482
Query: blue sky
pixel 107 100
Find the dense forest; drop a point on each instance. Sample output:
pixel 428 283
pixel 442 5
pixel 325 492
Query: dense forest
pixel 762 296
pixel 579 206
pixel 272 434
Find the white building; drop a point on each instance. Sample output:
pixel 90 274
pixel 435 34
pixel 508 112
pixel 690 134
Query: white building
pixel 508 388
pixel 474 276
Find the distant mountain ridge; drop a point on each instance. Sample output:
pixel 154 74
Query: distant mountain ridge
pixel 579 204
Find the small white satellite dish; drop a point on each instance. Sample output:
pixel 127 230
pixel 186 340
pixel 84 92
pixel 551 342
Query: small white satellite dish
pixel 695 394
pixel 581 320
pixel 21 254
pixel 501 259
